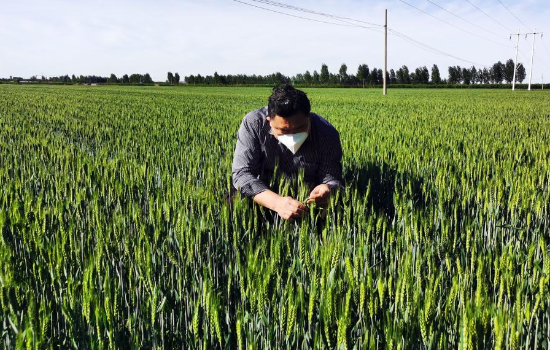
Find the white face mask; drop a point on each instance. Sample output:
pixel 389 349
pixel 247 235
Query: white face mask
pixel 293 141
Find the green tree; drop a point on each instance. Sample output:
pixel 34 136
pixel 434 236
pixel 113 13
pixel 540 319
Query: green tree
pixel 112 79
pixel 376 76
pixel 498 72
pixel 147 79
pixel 474 75
pixel 406 75
pixel 484 76
pixel 509 71
pixel 171 78
pixel 436 76
pixel 466 76
pixel 373 76
pixel 455 75
pixel 343 73
pixel 316 77
pixel 363 73
pixel 325 75
pixel 520 73
pixel 307 77
pixel 125 79
pixel 176 78
pixel 399 76
pixel 421 75
pixel 135 78
pixel 393 78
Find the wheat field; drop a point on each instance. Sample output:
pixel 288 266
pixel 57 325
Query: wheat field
pixel 115 232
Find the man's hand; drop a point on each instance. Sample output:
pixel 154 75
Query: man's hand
pixel 320 195
pixel 289 208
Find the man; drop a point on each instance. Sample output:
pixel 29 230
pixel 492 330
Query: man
pixel 287 135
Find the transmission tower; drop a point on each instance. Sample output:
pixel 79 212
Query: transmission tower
pixel 534 34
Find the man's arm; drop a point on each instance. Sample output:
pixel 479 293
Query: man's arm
pixel 247 160
pixel 330 171
pixel 286 207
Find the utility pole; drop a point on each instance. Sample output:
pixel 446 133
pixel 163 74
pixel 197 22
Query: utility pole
pixel 515 62
pixel 532 55
pixel 534 34
pixel 385 92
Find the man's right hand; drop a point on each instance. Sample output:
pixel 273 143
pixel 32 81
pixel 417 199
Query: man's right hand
pixel 288 208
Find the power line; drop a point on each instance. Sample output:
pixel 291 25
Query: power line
pixel 547 52
pixel 545 48
pixel 525 56
pixel 429 48
pixel 452 25
pixel 519 20
pixel 376 29
pixel 462 18
pixel 485 13
pixel 301 9
pixel 309 19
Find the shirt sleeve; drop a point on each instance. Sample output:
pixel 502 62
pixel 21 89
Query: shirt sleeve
pixel 247 161
pixel 330 170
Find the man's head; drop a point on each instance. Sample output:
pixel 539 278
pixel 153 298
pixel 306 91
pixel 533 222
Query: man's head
pixel 288 111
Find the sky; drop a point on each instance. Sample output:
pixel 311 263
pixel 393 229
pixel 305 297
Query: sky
pixel 98 37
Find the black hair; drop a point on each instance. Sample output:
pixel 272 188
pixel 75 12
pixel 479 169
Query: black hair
pixel 286 101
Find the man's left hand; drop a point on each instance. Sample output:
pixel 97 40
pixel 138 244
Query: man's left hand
pixel 320 195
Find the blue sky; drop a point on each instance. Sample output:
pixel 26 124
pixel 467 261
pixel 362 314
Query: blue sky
pixel 58 37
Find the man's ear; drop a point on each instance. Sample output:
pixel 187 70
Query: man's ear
pixel 268 118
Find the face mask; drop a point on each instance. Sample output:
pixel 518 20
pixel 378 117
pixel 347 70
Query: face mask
pixel 293 141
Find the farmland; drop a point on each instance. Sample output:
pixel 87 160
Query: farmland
pixel 115 232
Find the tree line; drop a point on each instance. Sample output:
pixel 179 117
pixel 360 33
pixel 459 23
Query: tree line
pixel 496 74
pixel 88 79
pixel 365 76
pixel 239 79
